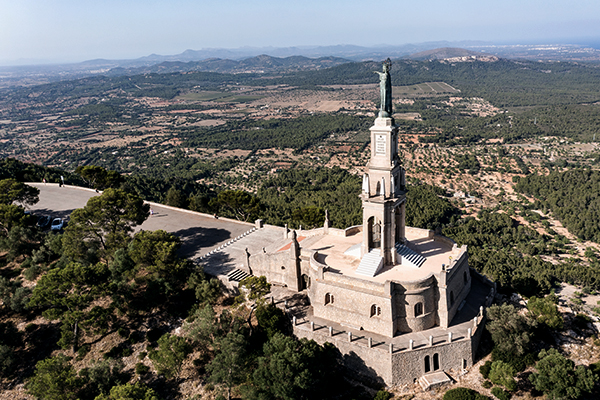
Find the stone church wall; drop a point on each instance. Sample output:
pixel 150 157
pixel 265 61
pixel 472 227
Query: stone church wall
pixel 279 268
pixel 415 304
pixel 352 302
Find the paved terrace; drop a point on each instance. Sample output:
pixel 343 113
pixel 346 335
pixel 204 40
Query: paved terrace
pixel 200 233
pixel 332 252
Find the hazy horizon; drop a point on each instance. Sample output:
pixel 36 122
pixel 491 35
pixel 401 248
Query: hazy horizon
pixel 67 31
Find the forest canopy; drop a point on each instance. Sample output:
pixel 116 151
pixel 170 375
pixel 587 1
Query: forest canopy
pixel 573 196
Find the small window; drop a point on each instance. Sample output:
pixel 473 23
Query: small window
pixel 375 310
pixel 466 278
pixel 328 298
pixel 436 362
pixel 418 309
pixel 451 299
pixel 427 364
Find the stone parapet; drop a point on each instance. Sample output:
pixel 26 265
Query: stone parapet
pixel 397 362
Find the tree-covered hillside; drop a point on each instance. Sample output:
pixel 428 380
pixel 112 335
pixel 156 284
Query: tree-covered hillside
pixel 573 196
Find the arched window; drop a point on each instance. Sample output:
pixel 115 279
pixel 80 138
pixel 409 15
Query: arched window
pixel 375 310
pixel 436 362
pixel 427 364
pixel 328 298
pixel 418 309
pixel 378 189
pixel 451 299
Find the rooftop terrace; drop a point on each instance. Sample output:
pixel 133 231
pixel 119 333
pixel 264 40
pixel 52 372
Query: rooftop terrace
pixel 342 255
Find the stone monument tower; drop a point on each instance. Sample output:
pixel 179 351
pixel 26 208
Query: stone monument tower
pixel 383 189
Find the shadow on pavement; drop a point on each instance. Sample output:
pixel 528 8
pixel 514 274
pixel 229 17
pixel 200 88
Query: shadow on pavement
pixel 52 213
pixel 196 238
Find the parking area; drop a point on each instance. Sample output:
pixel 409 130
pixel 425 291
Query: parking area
pixel 200 233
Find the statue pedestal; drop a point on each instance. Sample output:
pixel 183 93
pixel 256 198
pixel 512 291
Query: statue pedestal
pixel 384 121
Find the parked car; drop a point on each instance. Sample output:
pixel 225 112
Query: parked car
pixel 57 224
pixel 44 221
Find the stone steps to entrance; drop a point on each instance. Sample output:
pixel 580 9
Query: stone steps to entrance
pixel 237 275
pixel 434 380
pixel 409 256
pixel 370 264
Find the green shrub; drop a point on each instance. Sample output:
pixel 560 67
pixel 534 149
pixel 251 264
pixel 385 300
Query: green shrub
pixel 141 369
pixel 518 362
pixel 595 368
pixel 7 359
pixel 82 351
pixel 484 370
pixel 501 394
pixel 383 395
pixel 503 374
pixel 463 394
pixel 487 384
pixel 142 355
pixel 32 272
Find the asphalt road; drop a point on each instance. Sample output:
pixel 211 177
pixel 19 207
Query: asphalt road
pixel 200 233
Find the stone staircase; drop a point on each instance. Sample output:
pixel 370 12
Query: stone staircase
pixel 409 256
pixel 237 275
pixel 434 380
pixel 229 243
pixel 371 263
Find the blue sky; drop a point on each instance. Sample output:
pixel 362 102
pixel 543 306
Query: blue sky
pixel 33 31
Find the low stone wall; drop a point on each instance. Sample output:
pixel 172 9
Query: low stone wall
pixel 419 231
pixel 397 364
pixel 371 364
pixel 444 239
pixel 353 230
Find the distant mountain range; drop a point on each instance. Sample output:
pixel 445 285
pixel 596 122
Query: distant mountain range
pixel 288 59
pixel 259 64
